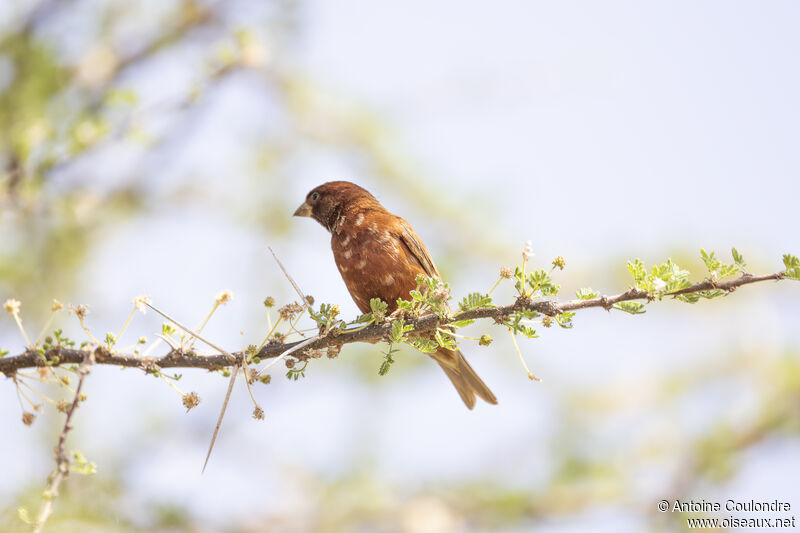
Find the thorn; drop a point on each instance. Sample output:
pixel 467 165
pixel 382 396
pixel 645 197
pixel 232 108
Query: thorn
pixel 234 373
pixel 285 273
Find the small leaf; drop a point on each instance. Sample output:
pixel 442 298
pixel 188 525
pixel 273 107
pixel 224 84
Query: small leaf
pixel 24 515
pixel 445 341
pixel 399 330
pixel 565 319
pixel 792 264
pixel 388 361
pixel 738 259
pixel 634 308
pixel 422 344
pixel 378 306
pixel 638 272
pixel 586 294
pixel 475 300
pixel 81 466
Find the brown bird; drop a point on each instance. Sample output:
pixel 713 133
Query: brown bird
pixel 380 256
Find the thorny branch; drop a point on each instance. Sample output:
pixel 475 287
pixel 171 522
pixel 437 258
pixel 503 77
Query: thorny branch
pixel 334 338
pixel 62 461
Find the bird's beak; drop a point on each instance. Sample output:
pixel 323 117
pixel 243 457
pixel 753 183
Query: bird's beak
pixel 303 211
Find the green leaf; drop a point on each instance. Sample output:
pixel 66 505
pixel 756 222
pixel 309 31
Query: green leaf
pixel 638 272
pixel 80 465
pixel 297 373
pixel 326 314
pixel 565 319
pixel 738 259
pixel 388 361
pixel 399 330
pixel 634 308
pixel 24 515
pixel 3 353
pixel 461 323
pixel 378 306
pixel 711 262
pixel 475 300
pixel 422 344
pixel 445 341
pixel 360 319
pixel 718 269
pixel 405 305
pixel 586 294
pixel 792 265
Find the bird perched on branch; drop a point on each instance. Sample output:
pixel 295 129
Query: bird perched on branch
pixel 380 256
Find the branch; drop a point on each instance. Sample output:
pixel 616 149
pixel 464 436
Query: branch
pixel 422 324
pixel 62 461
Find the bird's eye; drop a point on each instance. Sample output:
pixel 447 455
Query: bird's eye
pixel 315 197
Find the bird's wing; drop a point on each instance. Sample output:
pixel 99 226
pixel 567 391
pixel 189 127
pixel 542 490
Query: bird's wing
pixel 417 249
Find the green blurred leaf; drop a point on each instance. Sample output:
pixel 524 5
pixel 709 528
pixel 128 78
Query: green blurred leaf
pixel 586 294
pixel 634 308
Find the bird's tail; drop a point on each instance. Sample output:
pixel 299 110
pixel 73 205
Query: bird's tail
pixel 463 377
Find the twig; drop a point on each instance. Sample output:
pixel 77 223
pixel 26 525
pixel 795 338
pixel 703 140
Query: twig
pixel 62 461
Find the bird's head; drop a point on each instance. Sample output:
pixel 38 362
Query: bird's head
pixel 330 201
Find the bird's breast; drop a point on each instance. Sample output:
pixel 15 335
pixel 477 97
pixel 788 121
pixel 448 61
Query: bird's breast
pixel 374 263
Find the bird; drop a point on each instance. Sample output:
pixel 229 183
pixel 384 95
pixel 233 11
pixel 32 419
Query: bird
pixel 379 255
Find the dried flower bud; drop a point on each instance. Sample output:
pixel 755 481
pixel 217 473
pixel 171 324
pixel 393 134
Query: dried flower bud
pixel 315 353
pixel 57 306
pixel 289 363
pixel 485 340
pixel 224 297
pixel 28 418
pixel 63 406
pixel 190 401
pixel 258 413
pixel 80 311
pixel 506 273
pixel 290 311
pixel 547 321
pixel 269 301
pixel 527 252
pixel 141 302
pixel 266 379
pixel 441 292
pixel 12 306
pixel 309 299
pixel 559 262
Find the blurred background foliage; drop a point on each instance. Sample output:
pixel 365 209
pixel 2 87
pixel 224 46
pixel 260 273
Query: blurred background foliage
pixel 160 146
